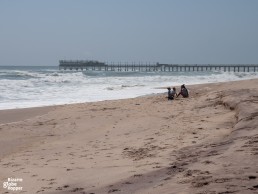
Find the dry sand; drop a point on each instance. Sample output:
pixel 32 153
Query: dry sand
pixel 207 143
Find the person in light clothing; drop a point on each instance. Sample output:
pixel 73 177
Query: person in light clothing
pixel 171 94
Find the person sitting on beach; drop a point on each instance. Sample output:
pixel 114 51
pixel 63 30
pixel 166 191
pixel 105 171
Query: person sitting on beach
pixel 183 92
pixel 171 94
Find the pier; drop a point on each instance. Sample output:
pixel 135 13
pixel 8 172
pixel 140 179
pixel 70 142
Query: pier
pixel 89 65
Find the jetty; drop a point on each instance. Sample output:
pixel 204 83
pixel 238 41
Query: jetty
pixel 90 65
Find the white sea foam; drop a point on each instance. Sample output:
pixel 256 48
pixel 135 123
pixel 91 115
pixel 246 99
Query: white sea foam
pixel 27 87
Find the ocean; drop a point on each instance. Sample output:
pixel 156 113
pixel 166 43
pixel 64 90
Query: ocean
pixel 22 87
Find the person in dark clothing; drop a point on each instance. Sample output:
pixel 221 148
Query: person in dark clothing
pixel 183 92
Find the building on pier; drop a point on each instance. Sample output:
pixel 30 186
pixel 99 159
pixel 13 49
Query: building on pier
pixel 79 64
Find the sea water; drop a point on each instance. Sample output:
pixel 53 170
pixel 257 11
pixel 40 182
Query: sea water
pixel 22 87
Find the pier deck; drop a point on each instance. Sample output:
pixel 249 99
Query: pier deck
pixel 100 66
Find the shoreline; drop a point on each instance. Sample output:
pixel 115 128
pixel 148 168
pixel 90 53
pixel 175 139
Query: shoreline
pixel 20 114
pixel 139 95
pixel 147 144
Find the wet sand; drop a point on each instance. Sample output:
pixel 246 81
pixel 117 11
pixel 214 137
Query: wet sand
pixel 207 143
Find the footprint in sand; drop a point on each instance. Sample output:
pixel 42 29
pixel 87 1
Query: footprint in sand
pixel 201 181
pixel 113 190
pixel 156 167
pixel 18 169
pixel 208 162
pixel 127 183
pixel 52 183
pixel 77 189
pixel 137 175
pixel 63 187
pixel 223 180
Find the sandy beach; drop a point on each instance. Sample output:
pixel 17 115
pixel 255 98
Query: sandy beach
pixel 207 143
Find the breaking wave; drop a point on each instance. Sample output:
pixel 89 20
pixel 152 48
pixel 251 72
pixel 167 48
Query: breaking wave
pixel 40 86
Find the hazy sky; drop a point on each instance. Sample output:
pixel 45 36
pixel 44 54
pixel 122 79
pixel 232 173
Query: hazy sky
pixel 41 32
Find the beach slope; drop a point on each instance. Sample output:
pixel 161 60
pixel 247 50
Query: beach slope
pixel 207 143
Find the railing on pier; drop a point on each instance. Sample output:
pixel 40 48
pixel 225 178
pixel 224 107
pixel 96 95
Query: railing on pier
pixel 133 67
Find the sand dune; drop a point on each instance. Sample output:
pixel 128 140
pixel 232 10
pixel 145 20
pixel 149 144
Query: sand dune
pixel 207 143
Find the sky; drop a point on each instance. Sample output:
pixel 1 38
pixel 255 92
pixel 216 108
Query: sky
pixel 42 32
